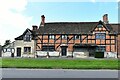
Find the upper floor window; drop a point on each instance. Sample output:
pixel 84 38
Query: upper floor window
pixel 100 35
pixel 77 37
pixel 27 37
pixel 64 36
pixel 51 37
pixel 99 26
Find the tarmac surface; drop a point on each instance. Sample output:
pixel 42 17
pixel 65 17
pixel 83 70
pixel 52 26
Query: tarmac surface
pixel 57 73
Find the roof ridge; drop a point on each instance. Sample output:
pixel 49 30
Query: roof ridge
pixel 68 22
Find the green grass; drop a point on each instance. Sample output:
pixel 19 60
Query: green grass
pixel 59 63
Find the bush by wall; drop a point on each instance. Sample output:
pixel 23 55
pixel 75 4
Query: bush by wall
pixel 99 54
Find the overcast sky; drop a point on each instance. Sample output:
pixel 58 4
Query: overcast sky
pixel 17 15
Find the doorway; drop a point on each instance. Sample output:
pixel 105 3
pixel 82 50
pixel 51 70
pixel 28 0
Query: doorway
pixel 18 52
pixel 63 50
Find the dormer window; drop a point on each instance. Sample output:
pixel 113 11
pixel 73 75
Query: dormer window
pixel 51 36
pixel 100 35
pixel 99 26
pixel 27 37
pixel 77 37
pixel 64 36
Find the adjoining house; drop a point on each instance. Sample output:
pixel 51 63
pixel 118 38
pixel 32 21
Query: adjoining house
pixel 78 39
pixel 23 46
pixel 8 50
pixel 25 43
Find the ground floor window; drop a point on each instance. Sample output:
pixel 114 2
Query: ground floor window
pixel 100 49
pixel 27 49
pixel 12 50
pixel 48 48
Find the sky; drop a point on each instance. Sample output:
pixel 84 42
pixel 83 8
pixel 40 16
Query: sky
pixel 18 15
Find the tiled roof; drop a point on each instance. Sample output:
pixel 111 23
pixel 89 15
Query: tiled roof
pixel 67 27
pixel 116 27
pixel 73 27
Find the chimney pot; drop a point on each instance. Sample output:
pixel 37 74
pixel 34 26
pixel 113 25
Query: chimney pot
pixel 34 27
pixel 42 20
pixel 105 18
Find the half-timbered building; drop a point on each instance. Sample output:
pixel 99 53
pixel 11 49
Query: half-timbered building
pixel 77 39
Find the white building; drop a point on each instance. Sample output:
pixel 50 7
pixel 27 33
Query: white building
pixel 23 46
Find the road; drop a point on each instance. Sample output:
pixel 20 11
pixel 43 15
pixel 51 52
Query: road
pixel 58 73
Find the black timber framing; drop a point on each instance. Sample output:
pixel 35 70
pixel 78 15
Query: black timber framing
pixel 37 37
pixel 72 38
pixel 67 39
pixel 48 38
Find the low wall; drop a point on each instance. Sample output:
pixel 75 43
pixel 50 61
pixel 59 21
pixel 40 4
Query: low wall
pixel 44 53
pixel 6 54
pixel 110 54
pixel 28 55
pixel 80 54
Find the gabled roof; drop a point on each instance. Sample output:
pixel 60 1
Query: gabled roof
pixel 27 30
pixel 73 27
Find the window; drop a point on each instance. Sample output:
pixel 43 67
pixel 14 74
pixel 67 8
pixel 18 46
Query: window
pixel 4 50
pixel 99 26
pixel 100 49
pixel 77 37
pixel 27 49
pixel 27 37
pixel 8 50
pixel 64 36
pixel 51 36
pixel 100 35
pixel 48 48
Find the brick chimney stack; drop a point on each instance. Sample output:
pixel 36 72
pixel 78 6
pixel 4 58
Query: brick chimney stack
pixel 105 18
pixel 34 27
pixel 42 20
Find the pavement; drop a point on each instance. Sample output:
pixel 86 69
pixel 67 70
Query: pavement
pixel 57 73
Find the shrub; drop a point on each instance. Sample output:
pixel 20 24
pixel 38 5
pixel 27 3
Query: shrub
pixel 99 54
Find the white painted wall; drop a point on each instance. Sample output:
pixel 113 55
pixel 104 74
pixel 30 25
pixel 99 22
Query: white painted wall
pixel 44 53
pixel 80 54
pixel 54 53
pixel 69 53
pixel 110 54
pixel 22 44
pixel 8 54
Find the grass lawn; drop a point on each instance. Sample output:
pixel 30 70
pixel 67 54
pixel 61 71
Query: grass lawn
pixel 59 63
